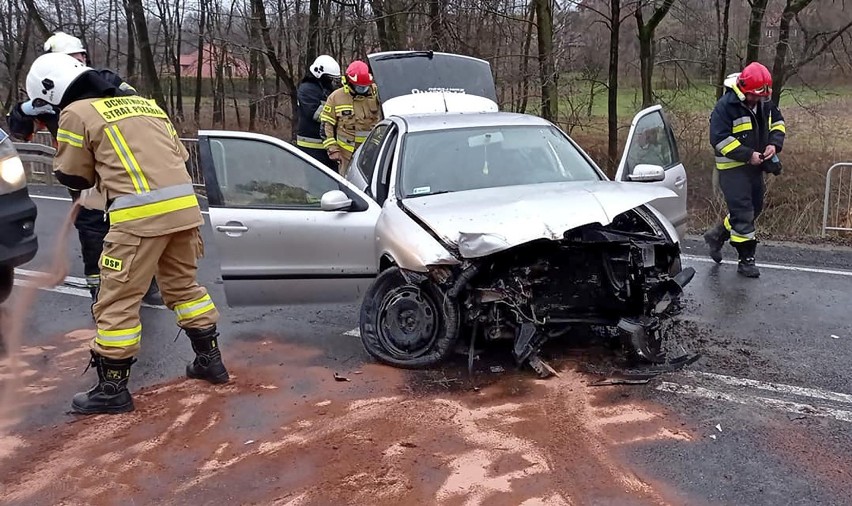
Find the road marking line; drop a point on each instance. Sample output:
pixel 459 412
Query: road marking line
pixel 65 290
pixel 814 393
pixel 780 267
pixel 791 407
pixel 68 199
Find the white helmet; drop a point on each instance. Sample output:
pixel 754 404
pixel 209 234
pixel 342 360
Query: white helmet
pixel 61 42
pixel 50 76
pixel 325 64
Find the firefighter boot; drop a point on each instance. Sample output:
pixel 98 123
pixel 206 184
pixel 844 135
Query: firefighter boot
pixel 746 265
pixel 208 359
pixel 110 394
pixel 715 239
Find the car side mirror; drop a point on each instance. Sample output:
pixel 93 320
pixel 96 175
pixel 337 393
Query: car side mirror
pixel 335 200
pixel 644 173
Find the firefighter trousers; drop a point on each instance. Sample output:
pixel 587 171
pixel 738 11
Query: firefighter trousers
pixel 128 264
pixel 744 189
pixel 91 229
pixel 321 156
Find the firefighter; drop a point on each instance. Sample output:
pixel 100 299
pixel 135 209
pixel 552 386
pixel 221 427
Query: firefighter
pixel 25 119
pixel 747 132
pixel 315 88
pixel 349 114
pixel 126 146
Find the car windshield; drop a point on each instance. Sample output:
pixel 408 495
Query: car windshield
pixel 471 158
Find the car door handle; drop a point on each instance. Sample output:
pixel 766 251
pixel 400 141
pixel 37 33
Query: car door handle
pixel 232 228
pixel 679 182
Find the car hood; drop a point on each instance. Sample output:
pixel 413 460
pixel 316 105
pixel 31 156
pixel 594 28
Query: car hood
pixel 486 221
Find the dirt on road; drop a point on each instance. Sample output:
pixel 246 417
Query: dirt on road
pixel 285 431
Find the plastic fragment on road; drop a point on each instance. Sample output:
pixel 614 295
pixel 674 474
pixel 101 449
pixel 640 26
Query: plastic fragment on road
pixel 719 427
pixel 250 441
pixel 713 436
pixel 833 336
pixel 338 377
pixel 323 403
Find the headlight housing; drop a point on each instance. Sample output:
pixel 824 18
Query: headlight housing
pixel 12 174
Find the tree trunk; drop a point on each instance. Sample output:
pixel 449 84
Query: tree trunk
pixel 547 70
pixel 313 32
pixel 436 24
pixel 755 29
pixel 254 34
pixel 647 49
pixel 35 16
pixel 131 42
pixel 149 69
pixel 722 59
pixel 176 52
pixel 612 106
pixel 200 64
pixel 279 69
pixel 525 63
pixel 779 67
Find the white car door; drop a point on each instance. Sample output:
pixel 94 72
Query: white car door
pixel 651 141
pixel 288 230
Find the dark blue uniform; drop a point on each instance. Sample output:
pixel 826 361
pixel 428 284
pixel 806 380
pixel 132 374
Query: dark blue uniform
pixel 311 97
pixel 736 132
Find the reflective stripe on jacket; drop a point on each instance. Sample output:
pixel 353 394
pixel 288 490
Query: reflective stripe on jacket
pixel 128 148
pixel 311 98
pixel 347 120
pixel 736 132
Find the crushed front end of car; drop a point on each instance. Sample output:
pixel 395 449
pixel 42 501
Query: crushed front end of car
pixel 625 277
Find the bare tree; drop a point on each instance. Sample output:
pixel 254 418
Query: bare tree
pixel 723 25
pixel 547 70
pixel 647 44
pixel 755 29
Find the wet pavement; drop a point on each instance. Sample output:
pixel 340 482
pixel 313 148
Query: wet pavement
pixel 764 417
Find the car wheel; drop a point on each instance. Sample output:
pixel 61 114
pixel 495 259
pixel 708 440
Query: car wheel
pixel 408 325
pixel 7 280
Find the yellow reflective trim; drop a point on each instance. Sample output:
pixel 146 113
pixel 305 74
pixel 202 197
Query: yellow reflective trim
pixel 727 222
pixel 730 147
pixel 69 134
pixel 111 263
pixel 329 142
pixel 137 184
pixel 778 127
pixel 310 145
pixel 739 238
pixel 194 308
pixel 328 119
pixel 132 159
pixel 741 128
pixel 728 165
pixel 346 146
pixel 360 139
pixel 344 107
pixel 155 209
pixel 119 338
pixel 114 109
pixel 70 142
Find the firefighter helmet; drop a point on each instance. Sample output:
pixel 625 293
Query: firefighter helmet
pixel 755 79
pixel 358 78
pixel 51 75
pixel 325 65
pixel 61 42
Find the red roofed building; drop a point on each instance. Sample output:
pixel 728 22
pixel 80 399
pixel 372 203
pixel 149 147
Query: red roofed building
pixel 213 55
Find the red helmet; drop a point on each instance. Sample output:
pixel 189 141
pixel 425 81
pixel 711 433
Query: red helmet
pixel 755 79
pixel 357 74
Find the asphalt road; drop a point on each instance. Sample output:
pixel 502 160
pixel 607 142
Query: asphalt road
pixel 764 417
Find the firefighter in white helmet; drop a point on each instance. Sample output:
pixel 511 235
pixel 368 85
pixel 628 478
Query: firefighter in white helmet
pixel 313 91
pixel 25 119
pixel 127 147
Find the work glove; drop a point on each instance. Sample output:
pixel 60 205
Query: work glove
pixel 772 165
pixel 30 109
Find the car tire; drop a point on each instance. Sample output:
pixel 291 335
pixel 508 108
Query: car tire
pixel 406 324
pixel 7 280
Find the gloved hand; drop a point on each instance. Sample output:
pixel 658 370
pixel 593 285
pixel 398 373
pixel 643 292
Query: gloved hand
pixel 31 110
pixel 772 165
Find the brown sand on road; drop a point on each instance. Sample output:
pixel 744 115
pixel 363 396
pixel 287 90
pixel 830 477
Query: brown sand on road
pixel 284 432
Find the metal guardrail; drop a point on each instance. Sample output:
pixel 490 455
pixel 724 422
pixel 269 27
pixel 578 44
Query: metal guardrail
pixel 38 161
pixel 842 214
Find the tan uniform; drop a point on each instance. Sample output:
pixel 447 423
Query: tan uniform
pixel 130 151
pixel 346 122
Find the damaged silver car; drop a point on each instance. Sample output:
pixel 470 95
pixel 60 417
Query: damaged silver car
pixel 456 222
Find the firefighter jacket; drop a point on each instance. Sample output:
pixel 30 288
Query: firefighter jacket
pixel 311 97
pixel 128 148
pixel 347 120
pixel 736 132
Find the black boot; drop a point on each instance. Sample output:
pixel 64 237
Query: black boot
pixel 208 359
pixel 153 296
pixel 715 239
pixel 747 265
pixel 110 395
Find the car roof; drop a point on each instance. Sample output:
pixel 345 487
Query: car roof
pixel 430 122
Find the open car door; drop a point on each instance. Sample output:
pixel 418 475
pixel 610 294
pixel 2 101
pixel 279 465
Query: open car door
pixel 288 229
pixel 651 144
pixel 406 73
